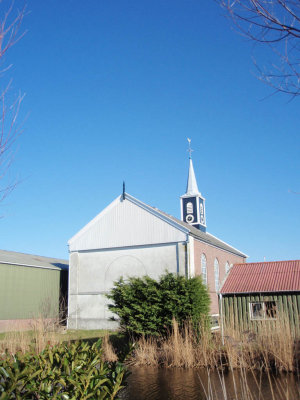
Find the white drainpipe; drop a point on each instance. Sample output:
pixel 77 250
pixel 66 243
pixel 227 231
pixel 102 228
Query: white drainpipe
pixel 191 257
pixel 221 315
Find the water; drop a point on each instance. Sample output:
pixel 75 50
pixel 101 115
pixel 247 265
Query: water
pixel 149 383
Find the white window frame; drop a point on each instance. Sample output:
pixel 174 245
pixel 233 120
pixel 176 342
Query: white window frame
pixel 217 274
pixel 204 268
pixel 189 208
pixel 227 267
pixel 265 316
pixel 217 327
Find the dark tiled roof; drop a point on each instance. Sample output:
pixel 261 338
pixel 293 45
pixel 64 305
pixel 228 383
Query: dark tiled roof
pixel 12 257
pixel 263 277
pixel 204 236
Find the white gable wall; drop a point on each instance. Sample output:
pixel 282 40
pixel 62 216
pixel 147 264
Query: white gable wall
pixel 126 239
pixel 125 223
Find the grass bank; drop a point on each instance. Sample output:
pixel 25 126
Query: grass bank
pixel 43 333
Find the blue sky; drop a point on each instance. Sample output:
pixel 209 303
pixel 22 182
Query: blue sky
pixel 113 89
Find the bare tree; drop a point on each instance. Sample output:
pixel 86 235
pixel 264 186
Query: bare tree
pixel 10 22
pixel 273 23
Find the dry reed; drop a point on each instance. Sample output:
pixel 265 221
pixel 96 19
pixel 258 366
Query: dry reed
pixel 246 384
pixel 146 352
pixel 43 332
pixel 269 347
pixel 108 351
pixel 269 344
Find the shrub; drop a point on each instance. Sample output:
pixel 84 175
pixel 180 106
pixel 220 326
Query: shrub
pixel 146 306
pixel 65 371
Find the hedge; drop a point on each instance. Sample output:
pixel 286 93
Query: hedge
pixel 146 306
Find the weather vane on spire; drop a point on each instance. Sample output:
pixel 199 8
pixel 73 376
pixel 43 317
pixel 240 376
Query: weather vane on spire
pixel 189 149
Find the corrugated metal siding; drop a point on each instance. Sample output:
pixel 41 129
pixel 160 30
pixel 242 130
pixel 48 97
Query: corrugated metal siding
pixel 236 310
pixel 27 292
pixel 125 224
pixel 274 276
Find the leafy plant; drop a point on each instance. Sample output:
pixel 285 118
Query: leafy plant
pixel 62 372
pixel 146 306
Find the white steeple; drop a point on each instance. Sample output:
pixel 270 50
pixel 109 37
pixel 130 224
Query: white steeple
pixel 191 187
pixel 192 202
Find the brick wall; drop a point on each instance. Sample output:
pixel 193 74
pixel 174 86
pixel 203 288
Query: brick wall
pixel 211 253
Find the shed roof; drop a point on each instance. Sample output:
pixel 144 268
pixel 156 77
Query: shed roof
pixel 30 260
pixel 263 277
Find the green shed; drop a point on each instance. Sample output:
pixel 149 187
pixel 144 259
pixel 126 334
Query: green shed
pixel 261 293
pixel 30 287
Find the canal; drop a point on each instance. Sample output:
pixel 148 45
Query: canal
pixel 148 383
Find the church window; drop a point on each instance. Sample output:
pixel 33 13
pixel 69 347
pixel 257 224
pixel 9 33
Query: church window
pixel 227 267
pixel 204 269
pixel 217 277
pixel 189 208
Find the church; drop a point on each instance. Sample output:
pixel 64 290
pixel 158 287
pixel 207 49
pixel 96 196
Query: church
pixel 131 238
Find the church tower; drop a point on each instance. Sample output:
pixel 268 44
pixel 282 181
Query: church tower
pixel 192 202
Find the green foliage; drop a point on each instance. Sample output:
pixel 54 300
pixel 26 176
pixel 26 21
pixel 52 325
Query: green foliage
pixel 63 372
pixel 146 306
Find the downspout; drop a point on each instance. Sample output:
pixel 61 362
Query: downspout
pixel 177 260
pixel 191 255
pixel 77 286
pixel 187 257
pixel 68 288
pixel 221 314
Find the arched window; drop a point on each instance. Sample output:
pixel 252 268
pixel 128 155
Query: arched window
pixel 203 269
pixel 217 277
pixel 227 267
pixel 189 208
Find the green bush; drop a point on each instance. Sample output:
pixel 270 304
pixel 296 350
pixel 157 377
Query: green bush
pixel 66 371
pixel 146 306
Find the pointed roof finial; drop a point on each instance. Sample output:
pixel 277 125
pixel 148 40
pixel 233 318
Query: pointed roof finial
pixel 190 149
pixel 123 193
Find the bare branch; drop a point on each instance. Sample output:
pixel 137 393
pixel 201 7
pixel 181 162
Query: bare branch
pixel 10 23
pixel 275 23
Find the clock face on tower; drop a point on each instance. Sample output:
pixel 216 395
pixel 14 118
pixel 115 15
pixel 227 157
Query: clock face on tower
pixel 189 218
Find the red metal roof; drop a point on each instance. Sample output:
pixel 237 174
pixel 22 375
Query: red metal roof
pixel 276 276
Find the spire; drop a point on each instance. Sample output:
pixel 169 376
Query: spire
pixel 191 187
pixel 192 202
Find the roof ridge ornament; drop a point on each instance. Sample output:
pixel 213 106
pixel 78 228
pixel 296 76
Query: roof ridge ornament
pixel 189 150
pixel 123 193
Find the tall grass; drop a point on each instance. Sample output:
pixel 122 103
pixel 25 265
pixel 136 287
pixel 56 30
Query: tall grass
pixel 181 348
pixel 267 344
pixel 269 347
pixel 109 353
pixel 43 331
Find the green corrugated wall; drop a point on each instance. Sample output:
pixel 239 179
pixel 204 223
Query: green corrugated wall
pixel 27 292
pixel 236 310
